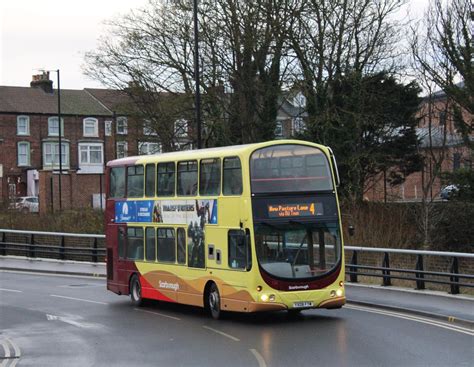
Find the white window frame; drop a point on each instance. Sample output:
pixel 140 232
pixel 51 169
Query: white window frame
pixel 50 121
pixel 299 125
pixel 122 125
pixel 147 146
pixel 121 146
pixel 64 151
pixel 86 166
pixel 28 153
pixel 181 127
pixel 27 126
pixel 147 130
pixel 108 128
pixel 279 129
pixel 89 120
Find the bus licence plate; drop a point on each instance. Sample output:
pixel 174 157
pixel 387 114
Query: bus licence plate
pixel 302 304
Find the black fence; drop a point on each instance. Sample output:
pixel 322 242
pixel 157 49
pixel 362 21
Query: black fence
pixel 62 246
pixel 450 275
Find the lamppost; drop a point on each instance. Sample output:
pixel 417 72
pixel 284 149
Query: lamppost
pixel 196 74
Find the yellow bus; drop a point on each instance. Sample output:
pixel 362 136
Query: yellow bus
pixel 242 228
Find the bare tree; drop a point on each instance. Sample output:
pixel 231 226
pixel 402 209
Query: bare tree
pixel 445 50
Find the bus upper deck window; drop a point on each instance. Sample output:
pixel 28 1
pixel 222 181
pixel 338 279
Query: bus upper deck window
pixel 150 180
pixel 210 177
pixel 117 182
pixel 135 181
pixel 187 178
pixel 232 176
pixel 165 179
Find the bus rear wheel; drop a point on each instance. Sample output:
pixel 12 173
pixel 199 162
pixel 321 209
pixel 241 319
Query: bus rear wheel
pixel 136 291
pixel 214 302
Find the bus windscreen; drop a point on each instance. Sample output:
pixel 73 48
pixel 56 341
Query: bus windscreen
pixel 289 168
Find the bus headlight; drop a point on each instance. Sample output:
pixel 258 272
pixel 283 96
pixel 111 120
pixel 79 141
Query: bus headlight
pixel 339 292
pixel 264 297
pixel 271 298
pixel 332 293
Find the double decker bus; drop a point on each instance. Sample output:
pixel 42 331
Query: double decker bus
pixel 243 228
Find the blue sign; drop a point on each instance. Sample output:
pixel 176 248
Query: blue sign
pixel 144 210
pixel 125 211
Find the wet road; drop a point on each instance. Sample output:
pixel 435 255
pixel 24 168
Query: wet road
pixel 72 321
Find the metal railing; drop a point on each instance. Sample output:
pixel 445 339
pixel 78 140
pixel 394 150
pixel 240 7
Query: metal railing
pixel 34 245
pixel 89 247
pixel 418 275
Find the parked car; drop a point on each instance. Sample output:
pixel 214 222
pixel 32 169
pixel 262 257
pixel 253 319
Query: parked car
pixel 448 192
pixel 26 204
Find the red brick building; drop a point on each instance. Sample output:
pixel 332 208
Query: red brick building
pixel 443 149
pixel 93 132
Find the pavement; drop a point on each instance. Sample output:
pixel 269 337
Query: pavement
pixel 457 309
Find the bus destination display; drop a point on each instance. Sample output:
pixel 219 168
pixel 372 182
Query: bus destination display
pixel 294 210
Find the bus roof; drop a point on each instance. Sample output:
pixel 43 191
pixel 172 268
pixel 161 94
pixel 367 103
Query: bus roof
pixel 204 153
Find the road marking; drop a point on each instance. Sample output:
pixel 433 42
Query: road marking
pixel 78 299
pixel 158 314
pixel 260 360
pixel 10 290
pixel 8 347
pixel 67 320
pixel 440 324
pixel 222 333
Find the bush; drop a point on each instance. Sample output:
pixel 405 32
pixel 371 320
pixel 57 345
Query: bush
pixel 73 221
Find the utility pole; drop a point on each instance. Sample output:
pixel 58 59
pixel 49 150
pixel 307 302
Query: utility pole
pixel 196 75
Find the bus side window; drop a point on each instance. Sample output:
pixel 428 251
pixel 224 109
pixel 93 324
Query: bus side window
pixel 135 181
pixel 150 180
pixel 181 246
pixel 165 179
pixel 232 176
pixel 150 241
pixel 166 245
pixel 135 243
pixel 121 243
pixel 117 182
pixel 239 249
pixel 210 177
pixel 187 178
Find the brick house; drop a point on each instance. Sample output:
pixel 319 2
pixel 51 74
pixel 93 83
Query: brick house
pixel 443 149
pixel 97 126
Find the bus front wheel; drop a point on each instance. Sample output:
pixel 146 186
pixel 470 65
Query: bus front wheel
pixel 136 291
pixel 214 302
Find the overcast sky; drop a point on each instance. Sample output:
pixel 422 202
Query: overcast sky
pixel 55 34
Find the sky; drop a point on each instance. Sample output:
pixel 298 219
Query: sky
pixel 55 34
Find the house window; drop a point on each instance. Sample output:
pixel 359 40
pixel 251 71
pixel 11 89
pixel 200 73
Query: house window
pixel 181 128
pixel 148 129
pixel 91 157
pixel 122 125
pixel 278 129
pixel 122 149
pixel 108 128
pixel 147 148
pixel 23 153
pixel 53 126
pixel 298 125
pixel 23 125
pixel 51 155
pixel 91 127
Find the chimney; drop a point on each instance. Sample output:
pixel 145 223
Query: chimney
pixel 42 81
